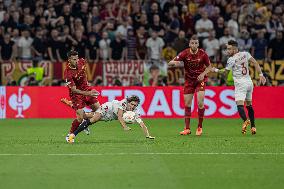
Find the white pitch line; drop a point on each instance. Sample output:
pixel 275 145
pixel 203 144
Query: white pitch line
pixel 150 153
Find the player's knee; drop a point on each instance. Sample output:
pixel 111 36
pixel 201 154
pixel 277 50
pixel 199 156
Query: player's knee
pixel 200 105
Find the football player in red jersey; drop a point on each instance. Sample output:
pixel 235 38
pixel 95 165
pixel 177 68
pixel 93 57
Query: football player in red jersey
pixel 196 66
pixel 80 92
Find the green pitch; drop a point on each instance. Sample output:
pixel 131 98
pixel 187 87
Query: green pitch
pixel 34 154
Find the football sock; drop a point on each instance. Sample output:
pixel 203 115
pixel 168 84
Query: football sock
pixel 200 116
pixel 242 112
pixel 187 114
pixel 85 124
pixel 74 126
pixel 251 115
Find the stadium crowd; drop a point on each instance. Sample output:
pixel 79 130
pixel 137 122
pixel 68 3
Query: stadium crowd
pixel 154 31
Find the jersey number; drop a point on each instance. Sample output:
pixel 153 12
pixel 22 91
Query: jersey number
pixel 244 69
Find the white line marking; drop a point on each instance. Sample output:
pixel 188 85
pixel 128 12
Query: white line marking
pixel 151 153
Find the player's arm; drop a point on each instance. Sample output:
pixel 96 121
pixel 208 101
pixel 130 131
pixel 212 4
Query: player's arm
pixel 145 130
pixel 206 71
pixel 257 67
pixel 121 121
pixel 173 62
pixel 177 60
pixel 208 68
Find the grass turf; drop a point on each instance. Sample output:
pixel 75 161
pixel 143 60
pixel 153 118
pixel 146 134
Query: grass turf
pixel 34 154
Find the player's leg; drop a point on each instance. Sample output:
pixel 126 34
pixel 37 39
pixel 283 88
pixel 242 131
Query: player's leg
pixel 94 104
pixel 240 96
pixel 85 124
pixel 251 116
pixel 201 110
pixel 187 113
pixel 250 109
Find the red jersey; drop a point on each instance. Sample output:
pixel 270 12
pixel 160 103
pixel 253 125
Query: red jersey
pixel 194 63
pixel 76 76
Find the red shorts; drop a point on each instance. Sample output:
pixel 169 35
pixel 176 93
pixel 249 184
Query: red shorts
pixel 191 87
pixel 81 101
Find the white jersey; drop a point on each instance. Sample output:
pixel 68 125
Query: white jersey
pixel 239 64
pixel 109 110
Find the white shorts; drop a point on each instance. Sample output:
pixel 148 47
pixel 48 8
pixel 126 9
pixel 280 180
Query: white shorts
pixel 106 111
pixel 243 90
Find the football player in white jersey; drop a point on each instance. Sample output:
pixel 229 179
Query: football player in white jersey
pixel 239 62
pixel 113 111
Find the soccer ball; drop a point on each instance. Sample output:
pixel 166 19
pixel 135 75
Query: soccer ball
pixel 129 117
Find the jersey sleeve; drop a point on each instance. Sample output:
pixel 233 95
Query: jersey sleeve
pixel 180 56
pixel 230 64
pixel 248 55
pixel 69 79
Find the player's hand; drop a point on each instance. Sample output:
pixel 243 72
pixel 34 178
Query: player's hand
pixel 94 93
pixel 262 80
pixel 150 137
pixel 200 77
pixel 126 128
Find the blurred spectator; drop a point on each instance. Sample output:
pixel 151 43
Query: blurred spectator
pixel 131 45
pixel 80 43
pixel 154 74
pixel 173 28
pixel 7 48
pixel 157 26
pixel 117 48
pixel 154 45
pixel 245 41
pixel 2 11
pixel 257 27
pixel 219 27
pixel 186 21
pixel 104 46
pixel 233 24
pixel 143 21
pixel 24 45
pixel 273 25
pixel 211 46
pixel 66 14
pixel 223 41
pixel 203 26
pixel 122 28
pixel 53 46
pixel 276 47
pixel 15 36
pixel 66 42
pixel 259 47
pixel 116 81
pixel 153 11
pixel 136 15
pixel 168 53
pixel 38 46
pixel 180 43
pixel 92 50
pixel 141 43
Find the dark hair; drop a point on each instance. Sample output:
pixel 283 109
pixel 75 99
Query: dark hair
pixel 233 43
pixel 72 53
pixel 133 98
pixel 194 37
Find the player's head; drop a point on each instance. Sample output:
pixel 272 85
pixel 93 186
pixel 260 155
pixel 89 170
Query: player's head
pixel 73 57
pixel 232 47
pixel 132 102
pixel 193 43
